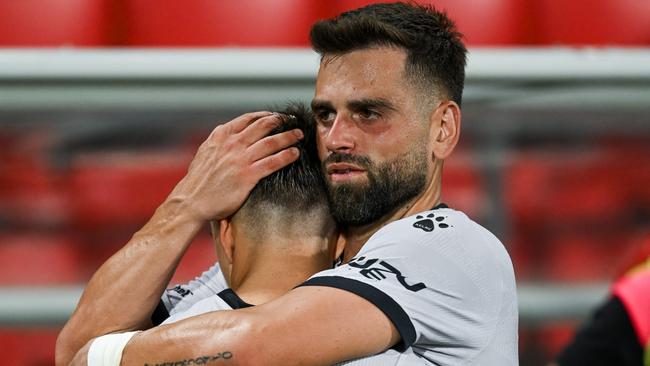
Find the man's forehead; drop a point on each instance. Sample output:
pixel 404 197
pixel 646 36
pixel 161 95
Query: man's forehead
pixel 369 73
pixel 378 50
pixel 366 57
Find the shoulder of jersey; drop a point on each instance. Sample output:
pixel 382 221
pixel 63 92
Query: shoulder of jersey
pixel 423 224
pixel 444 219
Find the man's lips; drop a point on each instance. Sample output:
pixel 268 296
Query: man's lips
pixel 343 171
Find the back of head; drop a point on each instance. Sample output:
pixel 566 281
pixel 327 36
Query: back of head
pixel 294 198
pixel 436 56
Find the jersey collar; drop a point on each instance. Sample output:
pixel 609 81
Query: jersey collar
pixel 231 298
pixel 440 205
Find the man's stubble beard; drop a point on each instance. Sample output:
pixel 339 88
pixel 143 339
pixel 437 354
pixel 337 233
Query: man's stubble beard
pixel 389 185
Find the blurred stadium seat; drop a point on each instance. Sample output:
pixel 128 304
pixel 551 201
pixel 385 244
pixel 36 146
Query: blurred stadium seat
pixel 40 259
pixel 602 22
pixel 483 23
pixel 581 257
pixel 636 257
pixel 36 23
pixel 565 189
pixel 633 172
pixel 286 23
pixel 205 23
pixel 463 187
pixel 99 245
pixel 524 253
pixel 574 214
pixel 28 347
pixel 32 193
pixel 113 189
pixel 554 337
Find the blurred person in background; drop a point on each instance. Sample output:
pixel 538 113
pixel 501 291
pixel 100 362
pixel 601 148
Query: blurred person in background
pixel 415 275
pixel 619 331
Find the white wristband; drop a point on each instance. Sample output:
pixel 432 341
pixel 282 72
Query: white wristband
pixel 107 350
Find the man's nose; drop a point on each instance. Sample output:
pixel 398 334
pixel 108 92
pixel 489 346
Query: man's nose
pixel 340 136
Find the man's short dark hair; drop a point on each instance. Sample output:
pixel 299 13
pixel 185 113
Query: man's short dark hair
pixel 300 184
pixel 296 192
pixel 436 55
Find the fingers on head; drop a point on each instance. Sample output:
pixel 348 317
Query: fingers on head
pixel 272 144
pixel 275 162
pixel 242 122
pixel 260 128
pixel 227 132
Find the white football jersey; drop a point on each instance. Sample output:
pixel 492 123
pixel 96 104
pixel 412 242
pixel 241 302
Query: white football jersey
pixel 182 297
pixel 446 283
pixel 224 300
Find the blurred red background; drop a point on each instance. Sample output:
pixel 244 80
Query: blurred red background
pixel 55 215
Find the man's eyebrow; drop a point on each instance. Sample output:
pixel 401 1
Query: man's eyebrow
pixel 358 104
pixel 317 104
pixel 370 103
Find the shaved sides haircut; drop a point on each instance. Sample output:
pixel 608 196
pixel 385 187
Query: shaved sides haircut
pixel 295 195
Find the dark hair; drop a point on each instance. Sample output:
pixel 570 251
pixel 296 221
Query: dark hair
pixel 436 55
pixel 300 186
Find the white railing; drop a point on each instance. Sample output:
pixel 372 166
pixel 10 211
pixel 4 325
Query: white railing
pixel 244 78
pixel 538 303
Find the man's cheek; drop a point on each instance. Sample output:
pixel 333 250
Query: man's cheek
pixel 322 150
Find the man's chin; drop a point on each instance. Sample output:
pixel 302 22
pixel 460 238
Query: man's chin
pixel 349 185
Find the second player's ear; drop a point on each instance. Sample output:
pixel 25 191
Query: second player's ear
pixel 445 129
pixel 339 246
pixel 226 239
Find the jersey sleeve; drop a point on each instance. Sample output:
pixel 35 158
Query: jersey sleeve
pixel 182 297
pixel 440 281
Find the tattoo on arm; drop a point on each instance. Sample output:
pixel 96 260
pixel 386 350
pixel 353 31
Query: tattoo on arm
pixel 202 360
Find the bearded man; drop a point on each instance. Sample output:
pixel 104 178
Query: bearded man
pixel 415 275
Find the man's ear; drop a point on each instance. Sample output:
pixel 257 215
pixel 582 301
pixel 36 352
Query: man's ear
pixel 226 240
pixel 445 129
pixel 340 246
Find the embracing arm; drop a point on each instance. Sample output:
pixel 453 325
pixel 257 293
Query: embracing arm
pixel 123 293
pixel 310 325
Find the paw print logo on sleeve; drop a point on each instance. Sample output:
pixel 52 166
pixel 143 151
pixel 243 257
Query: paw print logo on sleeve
pixel 430 222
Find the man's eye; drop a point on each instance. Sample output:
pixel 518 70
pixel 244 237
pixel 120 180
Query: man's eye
pixel 368 114
pixel 325 116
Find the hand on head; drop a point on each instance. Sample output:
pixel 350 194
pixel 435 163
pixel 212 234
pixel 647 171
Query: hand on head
pixel 231 161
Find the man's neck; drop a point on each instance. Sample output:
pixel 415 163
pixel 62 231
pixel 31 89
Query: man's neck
pixel 356 237
pixel 272 273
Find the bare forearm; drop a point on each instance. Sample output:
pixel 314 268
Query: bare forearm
pixel 124 291
pixel 209 338
pixel 304 327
